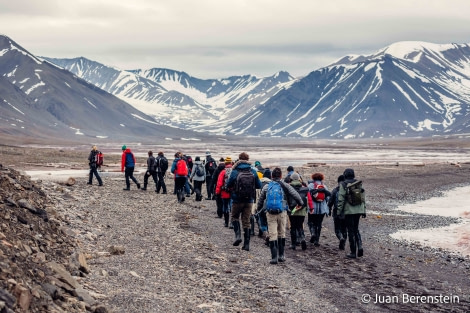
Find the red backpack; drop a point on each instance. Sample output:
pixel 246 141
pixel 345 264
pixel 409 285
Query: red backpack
pixel 318 196
pixel 181 168
pixel 99 158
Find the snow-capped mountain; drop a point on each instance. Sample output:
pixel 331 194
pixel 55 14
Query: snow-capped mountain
pixel 38 99
pixel 405 89
pixel 176 98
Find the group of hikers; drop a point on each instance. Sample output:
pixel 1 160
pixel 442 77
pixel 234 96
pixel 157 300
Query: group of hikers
pixel 247 194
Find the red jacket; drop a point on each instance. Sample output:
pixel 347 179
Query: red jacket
pixel 220 182
pixel 129 158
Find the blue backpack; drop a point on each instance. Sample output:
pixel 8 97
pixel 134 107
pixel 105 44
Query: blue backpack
pixel 275 202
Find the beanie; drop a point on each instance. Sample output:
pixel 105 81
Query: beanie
pixel 228 160
pixel 340 178
pixel 124 147
pixel 290 168
pixel 257 163
pixel 197 159
pixel 295 176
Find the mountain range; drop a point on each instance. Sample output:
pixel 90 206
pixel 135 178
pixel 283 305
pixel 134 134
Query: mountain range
pixel 407 89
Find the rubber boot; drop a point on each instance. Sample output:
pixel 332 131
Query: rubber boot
pixel 297 237
pixel 312 232
pixel 226 218
pixel 317 236
pixel 303 243
pixel 246 239
pixel 281 243
pixel 238 234
pixel 145 187
pixel 252 225
pixel 360 251
pixel 273 247
pixel 293 238
pixel 342 242
pixel 352 246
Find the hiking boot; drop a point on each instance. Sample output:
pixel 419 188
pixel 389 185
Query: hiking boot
pixel 164 193
pixel 226 218
pixel 351 256
pixel 143 188
pixel 157 191
pixel 281 243
pixel 207 198
pixel 126 188
pixel 138 186
pixel 303 243
pixel 273 247
pixel 100 184
pixel 238 234
pixel 293 238
pixel 89 183
pixel 246 241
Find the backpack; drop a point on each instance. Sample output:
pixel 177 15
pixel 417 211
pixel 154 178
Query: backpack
pixel 228 172
pixel 318 196
pixel 355 194
pixel 275 202
pixel 130 160
pixel 99 158
pixel 163 164
pixel 245 184
pixel 199 170
pixel 211 166
pixel 181 168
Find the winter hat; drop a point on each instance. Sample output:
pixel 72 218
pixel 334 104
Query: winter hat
pixel 290 168
pixel 197 159
pixel 277 173
pixel 267 173
pixel 348 173
pixel 295 176
pixel 228 160
pixel 208 153
pixel 124 147
pixel 257 163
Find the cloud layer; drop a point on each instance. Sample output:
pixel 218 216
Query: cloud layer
pixel 219 38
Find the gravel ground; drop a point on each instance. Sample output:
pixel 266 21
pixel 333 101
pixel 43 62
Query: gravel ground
pixel 147 253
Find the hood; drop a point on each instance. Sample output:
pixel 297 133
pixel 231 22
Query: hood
pixel 349 173
pixel 128 150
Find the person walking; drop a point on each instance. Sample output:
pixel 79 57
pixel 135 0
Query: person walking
pixel 93 163
pixel 210 166
pixel 215 177
pixel 297 215
pixel 242 183
pixel 352 205
pixel 276 194
pixel 222 192
pixel 180 169
pixel 162 167
pixel 128 163
pixel 198 174
pixel 318 207
pixel 151 171
pixel 339 223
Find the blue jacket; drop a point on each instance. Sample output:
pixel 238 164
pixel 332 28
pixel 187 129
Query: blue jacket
pixel 241 165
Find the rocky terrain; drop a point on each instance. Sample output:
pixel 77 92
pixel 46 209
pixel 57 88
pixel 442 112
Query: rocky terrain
pixel 83 248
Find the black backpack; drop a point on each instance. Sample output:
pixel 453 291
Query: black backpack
pixel 211 166
pixel 199 170
pixel 245 184
pixel 163 164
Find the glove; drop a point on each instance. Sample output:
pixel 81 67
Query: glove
pixel 364 215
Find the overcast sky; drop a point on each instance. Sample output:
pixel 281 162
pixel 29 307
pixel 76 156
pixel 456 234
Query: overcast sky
pixel 219 38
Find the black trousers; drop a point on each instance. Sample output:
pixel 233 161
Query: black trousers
pixel 146 178
pixel 340 227
pixel 94 171
pixel 129 172
pixel 352 223
pixel 161 182
pixel 209 186
pixel 197 189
